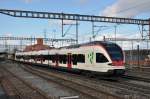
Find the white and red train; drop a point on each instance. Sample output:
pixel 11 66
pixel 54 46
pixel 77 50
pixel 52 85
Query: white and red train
pixel 94 57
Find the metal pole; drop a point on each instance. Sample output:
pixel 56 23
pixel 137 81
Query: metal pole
pixel 62 27
pixel 31 40
pixel 92 29
pixel 6 45
pixel 34 39
pixel 147 45
pixel 115 32
pixel 21 45
pixel 132 52
pixel 149 29
pixel 103 38
pixel 76 32
pixel 90 39
pixel 48 57
pixel 45 33
pixel 138 53
pixel 149 33
pixel 142 31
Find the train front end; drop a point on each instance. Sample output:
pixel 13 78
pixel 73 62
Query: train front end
pixel 116 56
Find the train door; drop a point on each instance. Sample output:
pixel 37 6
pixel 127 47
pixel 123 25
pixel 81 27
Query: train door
pixel 69 58
pixel 57 59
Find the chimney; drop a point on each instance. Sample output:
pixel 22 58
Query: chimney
pixel 39 41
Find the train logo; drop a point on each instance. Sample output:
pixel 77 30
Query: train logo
pixel 91 57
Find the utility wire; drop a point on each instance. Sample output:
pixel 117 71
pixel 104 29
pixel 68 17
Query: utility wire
pixel 137 5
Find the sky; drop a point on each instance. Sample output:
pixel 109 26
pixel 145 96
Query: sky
pixel 10 26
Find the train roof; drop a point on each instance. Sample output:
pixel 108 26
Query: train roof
pixel 104 43
pixel 88 44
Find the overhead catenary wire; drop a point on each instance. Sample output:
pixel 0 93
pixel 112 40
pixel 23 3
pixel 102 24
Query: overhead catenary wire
pixel 132 7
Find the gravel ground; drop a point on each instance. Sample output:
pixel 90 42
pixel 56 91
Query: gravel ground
pixel 2 93
pixel 53 89
pixel 50 88
pixel 137 73
pixel 140 83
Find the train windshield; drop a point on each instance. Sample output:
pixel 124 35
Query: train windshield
pixel 114 51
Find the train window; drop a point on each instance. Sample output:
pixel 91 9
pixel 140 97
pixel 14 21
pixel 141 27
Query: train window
pixel 53 58
pixel 61 58
pixel 50 57
pixel 26 57
pixel 17 57
pixel 36 57
pixel 32 56
pixel 114 51
pixel 100 58
pixel 81 58
pixel 64 57
pixel 74 59
pixel 42 57
pixel 46 57
pixel 56 57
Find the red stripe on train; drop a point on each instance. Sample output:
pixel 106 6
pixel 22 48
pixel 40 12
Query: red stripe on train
pixel 118 63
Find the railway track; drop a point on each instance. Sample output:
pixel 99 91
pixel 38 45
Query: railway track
pixel 52 94
pixel 122 89
pixel 94 93
pixel 131 77
pixel 93 88
pixel 17 88
pixel 133 88
pixel 137 75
